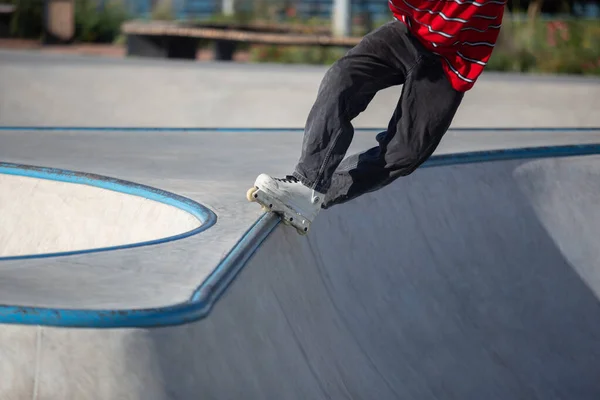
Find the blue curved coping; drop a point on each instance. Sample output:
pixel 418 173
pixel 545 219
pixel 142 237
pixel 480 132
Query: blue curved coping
pixel 208 293
pixel 206 217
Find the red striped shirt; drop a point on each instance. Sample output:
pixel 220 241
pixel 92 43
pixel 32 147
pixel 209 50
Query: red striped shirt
pixel 462 32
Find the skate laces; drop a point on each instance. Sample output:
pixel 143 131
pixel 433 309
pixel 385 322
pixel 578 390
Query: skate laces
pixel 288 179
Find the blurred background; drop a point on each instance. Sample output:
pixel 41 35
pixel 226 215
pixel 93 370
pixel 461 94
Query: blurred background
pixel 543 36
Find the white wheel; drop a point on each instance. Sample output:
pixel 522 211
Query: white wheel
pixel 250 194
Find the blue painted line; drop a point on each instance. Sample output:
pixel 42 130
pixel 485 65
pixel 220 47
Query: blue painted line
pixel 270 129
pixel 208 293
pixel 203 214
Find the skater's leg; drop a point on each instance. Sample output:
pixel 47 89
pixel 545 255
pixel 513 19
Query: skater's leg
pixel 382 59
pixel 424 112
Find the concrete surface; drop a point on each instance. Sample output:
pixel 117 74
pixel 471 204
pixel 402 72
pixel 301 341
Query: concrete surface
pixel 68 90
pixel 455 283
pixel 194 165
pixel 466 281
pixel 44 216
pixel 452 284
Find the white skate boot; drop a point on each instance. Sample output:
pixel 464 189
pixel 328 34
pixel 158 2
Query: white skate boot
pixel 297 204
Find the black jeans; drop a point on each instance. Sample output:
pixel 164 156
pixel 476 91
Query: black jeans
pixel 386 57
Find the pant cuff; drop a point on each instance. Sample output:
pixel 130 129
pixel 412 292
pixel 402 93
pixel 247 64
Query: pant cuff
pixel 308 183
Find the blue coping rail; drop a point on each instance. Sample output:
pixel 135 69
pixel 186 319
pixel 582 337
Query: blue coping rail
pixel 208 293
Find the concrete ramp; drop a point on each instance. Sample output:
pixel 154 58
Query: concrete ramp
pixel 462 282
pixel 466 281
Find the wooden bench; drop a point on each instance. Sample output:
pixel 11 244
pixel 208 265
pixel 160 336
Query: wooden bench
pixel 180 40
pixel 6 13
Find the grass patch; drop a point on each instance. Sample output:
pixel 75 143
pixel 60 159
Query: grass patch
pixel 558 47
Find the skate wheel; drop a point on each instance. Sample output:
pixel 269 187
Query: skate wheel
pixel 251 194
